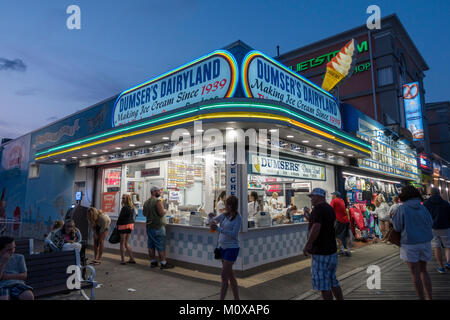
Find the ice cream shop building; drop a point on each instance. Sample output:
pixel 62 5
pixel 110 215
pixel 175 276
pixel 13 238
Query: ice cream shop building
pixel 293 138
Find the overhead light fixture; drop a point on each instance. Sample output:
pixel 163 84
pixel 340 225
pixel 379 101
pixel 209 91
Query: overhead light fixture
pixel 105 150
pixel 318 145
pixel 55 161
pixel 200 130
pixel 289 137
pixel 229 128
pixel 341 152
pixel 148 141
pixel 165 138
pixel 85 155
pixel 63 159
pixel 330 149
pixel 305 141
pixel 273 130
pixel 186 134
pixel 132 145
pixel 118 148
pixel 94 153
pixel 74 157
pixel 350 155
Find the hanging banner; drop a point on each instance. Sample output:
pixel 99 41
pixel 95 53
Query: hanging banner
pixel 413 110
pixel 265 78
pixel 213 76
pixel 286 168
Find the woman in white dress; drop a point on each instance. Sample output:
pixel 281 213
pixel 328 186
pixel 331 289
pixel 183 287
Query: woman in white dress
pixel 253 204
pixel 220 206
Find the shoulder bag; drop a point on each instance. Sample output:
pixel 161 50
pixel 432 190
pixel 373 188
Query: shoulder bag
pixel 393 236
pixel 115 236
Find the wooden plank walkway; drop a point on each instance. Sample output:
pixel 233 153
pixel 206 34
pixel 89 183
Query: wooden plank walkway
pixel 396 283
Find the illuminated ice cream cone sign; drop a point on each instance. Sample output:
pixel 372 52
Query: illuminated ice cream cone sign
pixel 339 67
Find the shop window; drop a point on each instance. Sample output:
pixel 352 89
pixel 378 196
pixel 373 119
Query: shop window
pixel 111 190
pixel 385 76
pixel 33 171
pixel 189 189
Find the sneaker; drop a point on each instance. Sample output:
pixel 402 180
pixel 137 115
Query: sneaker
pixel 154 264
pixel 348 253
pixel 166 266
pixel 441 270
pixel 447 266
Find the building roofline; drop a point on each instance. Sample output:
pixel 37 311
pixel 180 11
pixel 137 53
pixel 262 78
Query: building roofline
pixel 358 30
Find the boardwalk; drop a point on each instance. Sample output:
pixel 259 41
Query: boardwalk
pixel 396 283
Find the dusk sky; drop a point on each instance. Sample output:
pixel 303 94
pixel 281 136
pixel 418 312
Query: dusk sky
pixel 48 71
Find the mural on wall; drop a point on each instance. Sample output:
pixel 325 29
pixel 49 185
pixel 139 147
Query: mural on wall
pixel 79 125
pixel 13 180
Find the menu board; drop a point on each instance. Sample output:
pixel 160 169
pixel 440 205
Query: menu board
pixel 176 175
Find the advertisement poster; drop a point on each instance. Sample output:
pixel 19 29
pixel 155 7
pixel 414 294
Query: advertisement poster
pixel 264 78
pixel 211 77
pixel 413 110
pixel 109 204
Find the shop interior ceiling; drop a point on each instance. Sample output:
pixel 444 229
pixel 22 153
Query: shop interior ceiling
pixel 146 140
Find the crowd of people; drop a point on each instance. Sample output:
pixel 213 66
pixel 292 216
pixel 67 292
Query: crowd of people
pixel 422 225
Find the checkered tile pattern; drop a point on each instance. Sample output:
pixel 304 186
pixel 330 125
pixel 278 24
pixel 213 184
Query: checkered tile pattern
pixel 196 245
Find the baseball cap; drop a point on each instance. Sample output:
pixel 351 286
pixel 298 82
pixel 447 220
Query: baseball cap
pixel 155 188
pixel 337 193
pixel 317 192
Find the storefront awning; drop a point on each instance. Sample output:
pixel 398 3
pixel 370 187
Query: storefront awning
pixel 239 113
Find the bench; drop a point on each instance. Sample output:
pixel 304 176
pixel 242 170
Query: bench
pixel 47 273
pixel 24 246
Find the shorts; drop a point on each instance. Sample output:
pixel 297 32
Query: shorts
pixel 342 230
pixel 124 231
pixel 323 272
pixel 416 252
pixel 14 291
pixel 441 238
pixel 229 254
pixel 157 239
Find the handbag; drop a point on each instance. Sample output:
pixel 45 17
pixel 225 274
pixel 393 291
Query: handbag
pixel 115 236
pixel 393 236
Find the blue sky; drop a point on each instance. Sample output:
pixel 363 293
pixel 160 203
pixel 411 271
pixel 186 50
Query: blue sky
pixel 122 43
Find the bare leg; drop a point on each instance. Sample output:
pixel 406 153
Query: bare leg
pixel 95 246
pixel 337 293
pixel 122 247
pixel 27 295
pixel 162 256
pixel 128 247
pixel 438 255
pixel 151 254
pixel 101 246
pixel 447 254
pixel 327 295
pixel 226 272
pixel 415 274
pixel 425 279
pixel 234 285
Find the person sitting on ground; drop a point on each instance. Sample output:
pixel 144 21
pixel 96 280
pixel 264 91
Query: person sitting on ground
pixel 100 223
pixel 13 272
pixel 66 238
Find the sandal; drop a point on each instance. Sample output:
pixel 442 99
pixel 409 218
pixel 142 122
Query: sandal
pixel 131 262
pixel 123 263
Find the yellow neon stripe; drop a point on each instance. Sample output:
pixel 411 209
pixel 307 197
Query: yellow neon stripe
pixel 210 116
